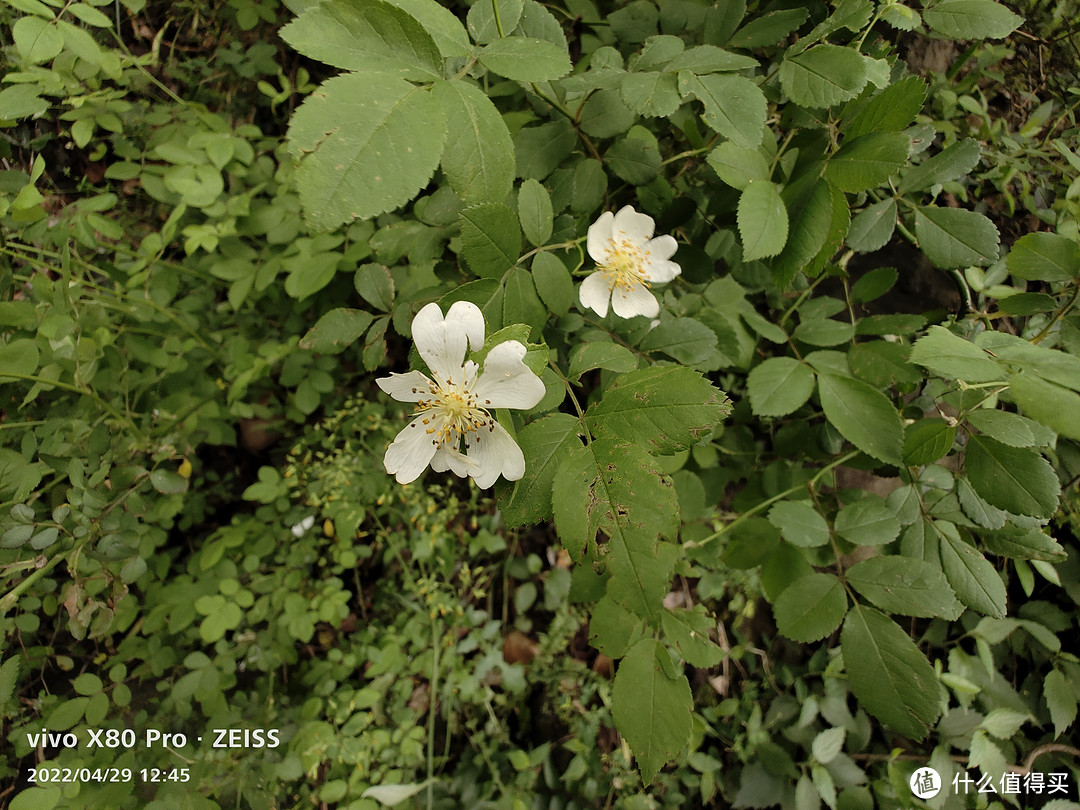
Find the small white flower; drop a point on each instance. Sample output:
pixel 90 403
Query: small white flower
pixel 455 405
pixel 628 260
pixel 299 529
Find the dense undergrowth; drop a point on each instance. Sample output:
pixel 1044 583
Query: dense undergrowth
pixel 864 564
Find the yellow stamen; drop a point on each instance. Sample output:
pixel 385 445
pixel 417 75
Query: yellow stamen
pixel 625 265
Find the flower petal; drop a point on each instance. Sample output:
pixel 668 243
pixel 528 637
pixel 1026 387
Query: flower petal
pixel 506 382
pixel 634 300
pixel 594 293
pixel 638 228
pixel 660 272
pixel 410 387
pixel 410 452
pixel 442 342
pixel 453 460
pixel 496 453
pixel 661 248
pixel 599 240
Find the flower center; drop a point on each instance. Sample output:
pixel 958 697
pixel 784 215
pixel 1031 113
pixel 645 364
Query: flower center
pixel 452 412
pixel 625 264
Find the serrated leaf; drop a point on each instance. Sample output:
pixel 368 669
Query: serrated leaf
pixel 1047 403
pixel 868 161
pixel 483 23
pixel 779 386
pixel 810 228
pixel 973 578
pixel 799 523
pixel 9 673
pixel 951 356
pixel 906 586
pixel 867 523
pixel 365 35
pixel 445 29
pixel 1008 428
pixel 763 221
pixel 635 160
pixel 891 110
pixel 662 408
pixel 653 94
pixel 543 443
pixel 769 28
pixel 688 631
pixel 1003 723
pixel 811 608
pixel 526 60
pixel 375 285
pixel 553 283
pixel 928 440
pixel 734 106
pixel 953 237
pixel 1014 479
pixel 534 211
pixel 863 415
pixel 872 228
pixel 490 239
pixel 36 40
pixel 738 166
pixel 890 677
pixel 610 356
pixel 613 629
pixel 363 158
pixel 478 159
pixel 828 744
pixel 982 513
pixel 1060 700
pixel 823 75
pixel 651 707
pixel 823 332
pixel 971 19
pixel 687 340
pixel 950 163
pixel 1044 257
pixel 336 330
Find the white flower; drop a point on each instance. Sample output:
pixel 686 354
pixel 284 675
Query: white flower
pixel 628 260
pixel 455 405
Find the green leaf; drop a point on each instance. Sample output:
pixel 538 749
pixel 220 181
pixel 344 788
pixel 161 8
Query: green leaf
pixel 779 386
pixel 365 35
pixel 553 283
pixel 738 166
pixel 478 159
pixel 87 684
pixel 635 160
pixel 768 29
pixel 971 19
pixel 167 482
pixel 652 94
pixel 444 28
pixel 953 237
pixel 702 59
pixel 1014 479
pixel 21 101
pixel 66 714
pixel 763 221
pixel 375 285
pixel 890 677
pixel 688 631
pixel 36 798
pixel 490 239
pixel 662 408
pixel 823 332
pixel 972 576
pixel 867 523
pixel 873 227
pixel 336 330
pixel 891 110
pixel 612 629
pixel 19 356
pixel 799 523
pixel 810 227
pixel 520 302
pixel 1024 304
pixel 526 60
pixel 811 608
pixel 484 25
pixel 360 159
pixel 610 356
pixel 874 284
pixel 689 341
pixel 37 40
pixel 1008 428
pixel 1047 403
pixel 828 744
pixel 1044 257
pixel 906 586
pixel 1004 723
pixel 982 513
pixel 868 161
pixel 951 356
pixel 735 107
pixel 534 211
pixel 651 706
pixel 1060 700
pixel 541 149
pixel 928 440
pixel 863 415
pixel 953 162
pixel 823 75
pixel 544 443
pixel 9 676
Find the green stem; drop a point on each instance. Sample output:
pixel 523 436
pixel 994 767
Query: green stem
pixel 1061 313
pixel 573 398
pixel 436 632
pixel 498 19
pixel 86 392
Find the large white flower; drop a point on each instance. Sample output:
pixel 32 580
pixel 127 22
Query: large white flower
pixel 455 405
pixel 628 260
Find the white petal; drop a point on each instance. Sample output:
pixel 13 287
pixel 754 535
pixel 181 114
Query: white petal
pixel 599 240
pixel 662 248
pixel 594 293
pixel 300 528
pixel 495 453
pixel 660 272
pixel 453 460
pixel 637 300
pixel 506 381
pixel 410 452
pixel 638 228
pixel 443 342
pixel 410 387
